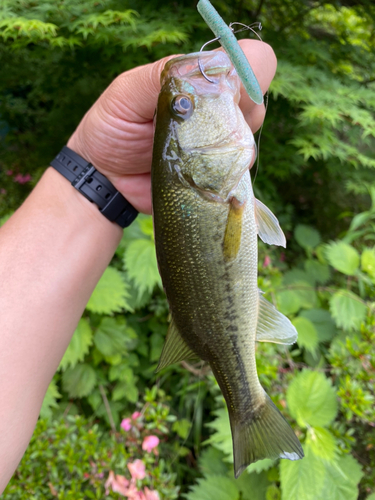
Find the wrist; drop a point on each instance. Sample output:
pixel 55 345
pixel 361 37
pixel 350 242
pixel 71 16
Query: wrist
pixel 94 186
pixel 60 196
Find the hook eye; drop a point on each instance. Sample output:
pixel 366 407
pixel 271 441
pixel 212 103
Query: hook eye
pixel 182 106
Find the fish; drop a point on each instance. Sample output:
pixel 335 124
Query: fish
pixel 206 225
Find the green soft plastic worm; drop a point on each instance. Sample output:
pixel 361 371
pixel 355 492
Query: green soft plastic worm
pixel 233 49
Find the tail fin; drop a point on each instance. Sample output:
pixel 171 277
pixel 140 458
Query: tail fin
pixel 267 435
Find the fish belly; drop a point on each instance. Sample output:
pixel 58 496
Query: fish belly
pixel 213 301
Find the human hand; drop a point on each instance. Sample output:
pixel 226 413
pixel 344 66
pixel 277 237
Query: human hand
pixel 116 134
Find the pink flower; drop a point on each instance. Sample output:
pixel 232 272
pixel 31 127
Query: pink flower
pixel 267 261
pixel 22 179
pixel 126 424
pixel 9 172
pixel 133 493
pixel 137 469
pixel 136 415
pixel 3 191
pixel 151 494
pixel 149 443
pixel 119 484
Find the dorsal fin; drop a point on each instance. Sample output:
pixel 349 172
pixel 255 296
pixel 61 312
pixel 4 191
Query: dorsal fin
pixel 175 349
pixel 272 325
pixel 269 229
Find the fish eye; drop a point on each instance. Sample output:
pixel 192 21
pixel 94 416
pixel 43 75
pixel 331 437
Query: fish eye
pixel 182 106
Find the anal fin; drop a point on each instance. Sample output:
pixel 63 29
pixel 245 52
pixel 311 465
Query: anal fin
pixel 272 325
pixel 175 349
pixel 269 229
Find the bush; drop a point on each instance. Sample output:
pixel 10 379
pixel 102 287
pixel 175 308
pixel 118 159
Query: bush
pixel 72 458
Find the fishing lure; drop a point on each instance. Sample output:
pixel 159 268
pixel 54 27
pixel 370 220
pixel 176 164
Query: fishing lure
pixel 229 42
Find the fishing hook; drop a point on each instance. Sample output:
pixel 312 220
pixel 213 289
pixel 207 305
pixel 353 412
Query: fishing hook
pixel 244 28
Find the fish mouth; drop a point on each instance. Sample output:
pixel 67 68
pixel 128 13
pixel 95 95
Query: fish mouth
pixel 231 143
pixel 186 67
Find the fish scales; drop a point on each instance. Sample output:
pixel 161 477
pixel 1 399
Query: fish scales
pixel 206 243
pixel 222 293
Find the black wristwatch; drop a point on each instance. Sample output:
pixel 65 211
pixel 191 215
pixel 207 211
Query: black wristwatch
pixel 95 187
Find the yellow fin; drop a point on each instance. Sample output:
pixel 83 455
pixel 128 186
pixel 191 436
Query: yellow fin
pixel 175 349
pixel 233 231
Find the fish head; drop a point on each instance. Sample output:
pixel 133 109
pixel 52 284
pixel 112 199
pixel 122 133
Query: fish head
pixel 207 140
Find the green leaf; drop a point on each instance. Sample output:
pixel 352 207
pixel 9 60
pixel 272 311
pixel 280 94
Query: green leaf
pixel 211 461
pixel 306 236
pixel 303 479
pixel 296 276
pixel 111 336
pixel 49 401
pixel 322 443
pixel 182 427
pixel 260 465
pixel 368 261
pixel 273 493
pixel 214 487
pixel 253 486
pixel 323 323
pixel 147 226
pixel 317 272
pixel 288 301
pixel 125 390
pixel 311 399
pixel 78 346
pixel 342 257
pixel 347 309
pixel 307 333
pixel 222 437
pixel 110 293
pixel 79 381
pixel 5 218
pixel 140 262
pixel 341 479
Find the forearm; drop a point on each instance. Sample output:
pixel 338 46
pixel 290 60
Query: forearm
pixel 53 251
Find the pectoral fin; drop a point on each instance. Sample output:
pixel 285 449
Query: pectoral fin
pixel 233 230
pixel 175 349
pixel 272 325
pixel 269 229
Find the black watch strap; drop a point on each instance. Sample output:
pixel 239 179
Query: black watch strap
pixel 95 187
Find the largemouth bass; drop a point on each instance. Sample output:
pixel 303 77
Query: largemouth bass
pixel 206 222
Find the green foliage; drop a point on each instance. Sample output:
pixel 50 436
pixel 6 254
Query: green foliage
pixel 322 443
pixel 307 333
pixel 218 487
pixel 50 401
pixel 343 257
pixel 140 259
pixel 110 293
pixel 78 346
pixel 306 236
pixel 302 479
pixel 347 309
pixel 72 458
pixel 79 381
pixel 311 399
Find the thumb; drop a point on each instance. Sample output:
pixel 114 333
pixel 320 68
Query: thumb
pixel 133 95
